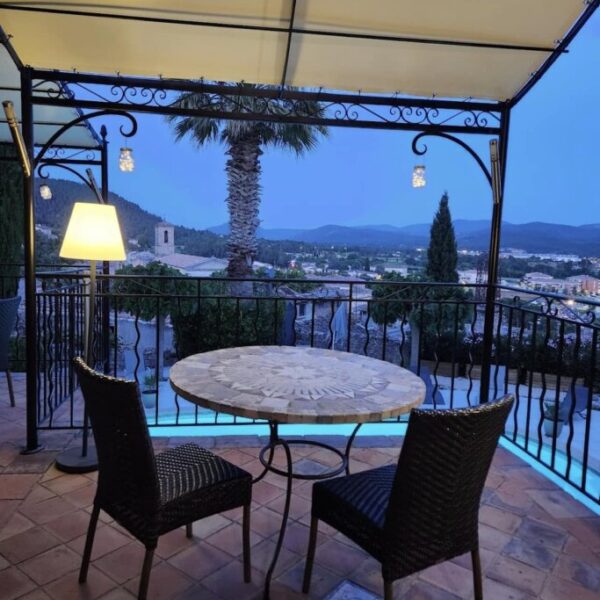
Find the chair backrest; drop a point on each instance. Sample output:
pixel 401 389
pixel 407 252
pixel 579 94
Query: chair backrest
pixel 8 318
pixel 127 469
pixel 434 504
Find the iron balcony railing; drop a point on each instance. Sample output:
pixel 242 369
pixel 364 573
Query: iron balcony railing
pixel 545 348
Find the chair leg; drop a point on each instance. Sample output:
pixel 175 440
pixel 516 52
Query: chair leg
pixel 388 590
pixel 89 542
pixel 246 543
pixel 477 581
pixel 11 393
pixel 145 578
pixel 310 555
pixel 189 530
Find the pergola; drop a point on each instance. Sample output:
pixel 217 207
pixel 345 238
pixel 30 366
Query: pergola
pixel 436 68
pixel 79 145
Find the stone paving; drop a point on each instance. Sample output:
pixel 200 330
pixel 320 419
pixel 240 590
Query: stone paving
pixel 536 541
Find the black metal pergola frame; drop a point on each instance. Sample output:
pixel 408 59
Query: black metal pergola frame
pixel 432 116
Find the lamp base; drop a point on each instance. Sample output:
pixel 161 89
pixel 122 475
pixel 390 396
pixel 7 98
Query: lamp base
pixel 72 461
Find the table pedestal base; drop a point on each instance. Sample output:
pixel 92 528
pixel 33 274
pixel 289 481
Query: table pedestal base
pixel 274 441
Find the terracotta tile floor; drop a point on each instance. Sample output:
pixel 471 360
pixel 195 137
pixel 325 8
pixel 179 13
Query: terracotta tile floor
pixel 537 542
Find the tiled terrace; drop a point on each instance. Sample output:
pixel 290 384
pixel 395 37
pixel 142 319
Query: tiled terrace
pixel 537 542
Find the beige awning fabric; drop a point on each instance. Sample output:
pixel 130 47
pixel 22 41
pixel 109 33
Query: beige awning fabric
pixel 482 49
pixel 48 119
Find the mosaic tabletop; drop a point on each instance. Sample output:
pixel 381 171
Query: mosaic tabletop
pixel 291 384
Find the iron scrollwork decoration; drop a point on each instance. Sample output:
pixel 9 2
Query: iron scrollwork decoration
pixel 294 105
pixel 42 173
pixel 552 305
pixel 59 153
pixel 41 164
pixel 88 117
pixel 420 151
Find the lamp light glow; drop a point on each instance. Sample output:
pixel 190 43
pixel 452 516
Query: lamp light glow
pixel 93 233
pixel 418 176
pixel 45 192
pixel 126 162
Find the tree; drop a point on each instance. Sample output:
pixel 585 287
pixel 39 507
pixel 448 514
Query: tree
pixel 436 314
pixel 152 291
pixel 245 141
pixel 395 297
pixel 213 319
pixel 442 256
pixel 11 217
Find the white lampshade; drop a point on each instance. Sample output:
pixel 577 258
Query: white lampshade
pixel 93 233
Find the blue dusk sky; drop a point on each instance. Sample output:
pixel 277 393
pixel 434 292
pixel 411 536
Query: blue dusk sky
pixel 359 177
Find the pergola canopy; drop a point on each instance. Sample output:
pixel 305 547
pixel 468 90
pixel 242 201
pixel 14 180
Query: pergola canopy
pixel 482 49
pixel 48 119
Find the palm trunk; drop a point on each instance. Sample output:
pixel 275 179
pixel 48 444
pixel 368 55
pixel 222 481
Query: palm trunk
pixel 243 200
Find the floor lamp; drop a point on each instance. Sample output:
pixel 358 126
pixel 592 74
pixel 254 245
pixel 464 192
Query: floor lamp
pixel 93 234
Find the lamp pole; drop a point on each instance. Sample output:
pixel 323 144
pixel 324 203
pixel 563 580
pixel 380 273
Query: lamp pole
pixel 86 460
pixel 105 264
pixel 93 234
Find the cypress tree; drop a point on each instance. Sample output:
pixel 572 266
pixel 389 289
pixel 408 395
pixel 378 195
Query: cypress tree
pixel 442 257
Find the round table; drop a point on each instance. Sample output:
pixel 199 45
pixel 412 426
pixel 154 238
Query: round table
pixel 296 384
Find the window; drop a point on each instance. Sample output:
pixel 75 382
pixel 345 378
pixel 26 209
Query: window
pixel 166 236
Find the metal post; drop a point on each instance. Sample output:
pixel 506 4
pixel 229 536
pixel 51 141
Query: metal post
pixel 29 259
pixel 88 463
pixel 498 163
pixel 105 265
pixel 84 459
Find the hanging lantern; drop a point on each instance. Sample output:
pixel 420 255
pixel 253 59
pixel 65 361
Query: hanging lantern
pixel 126 162
pixel 45 192
pixel 418 176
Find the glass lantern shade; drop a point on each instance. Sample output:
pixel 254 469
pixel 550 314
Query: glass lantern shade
pixel 45 192
pixel 126 162
pixel 418 177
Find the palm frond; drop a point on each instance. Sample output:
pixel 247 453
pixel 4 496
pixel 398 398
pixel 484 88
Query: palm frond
pixel 200 129
pixel 297 137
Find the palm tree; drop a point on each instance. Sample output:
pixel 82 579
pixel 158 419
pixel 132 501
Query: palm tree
pixel 245 141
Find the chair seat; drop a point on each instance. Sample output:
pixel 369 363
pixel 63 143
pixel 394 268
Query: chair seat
pixel 356 505
pixel 189 468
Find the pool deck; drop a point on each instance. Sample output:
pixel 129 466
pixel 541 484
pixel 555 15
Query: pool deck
pixel 536 540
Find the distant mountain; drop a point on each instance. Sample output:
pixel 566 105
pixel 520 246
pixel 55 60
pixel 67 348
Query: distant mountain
pixel 136 222
pixel 470 234
pixel 384 236
pixel 139 224
pixel 583 240
pixel 266 234
pixel 461 227
pixel 391 228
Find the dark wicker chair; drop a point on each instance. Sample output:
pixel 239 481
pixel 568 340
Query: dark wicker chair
pixel 146 494
pixel 8 317
pixel 424 510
